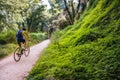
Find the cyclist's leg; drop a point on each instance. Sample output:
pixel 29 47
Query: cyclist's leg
pixel 19 46
pixel 19 43
pixel 24 42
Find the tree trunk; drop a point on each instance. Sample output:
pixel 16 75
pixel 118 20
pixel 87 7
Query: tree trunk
pixel 78 6
pixel 73 11
pixel 67 9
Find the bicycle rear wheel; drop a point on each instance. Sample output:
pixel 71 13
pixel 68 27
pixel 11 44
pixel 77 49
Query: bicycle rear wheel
pixel 17 54
pixel 27 51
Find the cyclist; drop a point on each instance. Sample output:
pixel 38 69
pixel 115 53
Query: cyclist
pixel 22 36
pixel 51 31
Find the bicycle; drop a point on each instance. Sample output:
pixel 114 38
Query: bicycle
pixel 19 51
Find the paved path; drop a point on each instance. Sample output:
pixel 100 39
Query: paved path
pixel 11 70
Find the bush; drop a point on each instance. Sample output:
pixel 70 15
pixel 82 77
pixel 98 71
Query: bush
pixel 6 49
pixel 7 37
pixel 38 37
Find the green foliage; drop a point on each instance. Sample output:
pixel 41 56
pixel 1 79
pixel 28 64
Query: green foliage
pixel 93 3
pixel 6 49
pixel 10 13
pixel 88 50
pixel 36 19
pixel 38 37
pixel 7 37
pixel 7 40
pixel 13 14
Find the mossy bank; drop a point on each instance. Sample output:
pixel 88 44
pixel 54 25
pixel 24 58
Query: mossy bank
pixel 88 50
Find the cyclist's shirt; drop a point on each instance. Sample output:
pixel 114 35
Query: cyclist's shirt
pixel 25 35
pixel 22 36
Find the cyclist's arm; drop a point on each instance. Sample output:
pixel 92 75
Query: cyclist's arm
pixel 26 35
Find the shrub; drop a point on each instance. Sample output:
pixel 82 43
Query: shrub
pixel 37 37
pixel 7 37
pixel 6 49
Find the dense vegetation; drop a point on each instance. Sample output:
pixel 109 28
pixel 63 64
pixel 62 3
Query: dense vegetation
pixel 88 50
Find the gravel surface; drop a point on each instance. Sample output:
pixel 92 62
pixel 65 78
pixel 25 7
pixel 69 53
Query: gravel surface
pixel 11 70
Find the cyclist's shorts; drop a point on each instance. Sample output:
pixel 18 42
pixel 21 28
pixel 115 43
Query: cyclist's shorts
pixel 20 40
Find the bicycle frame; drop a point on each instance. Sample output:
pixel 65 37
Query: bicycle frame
pixel 19 52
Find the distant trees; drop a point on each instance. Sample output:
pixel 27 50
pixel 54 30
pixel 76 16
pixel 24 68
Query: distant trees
pixel 36 20
pixel 16 13
pixel 4 11
pixel 10 13
pixel 13 13
pixel 73 9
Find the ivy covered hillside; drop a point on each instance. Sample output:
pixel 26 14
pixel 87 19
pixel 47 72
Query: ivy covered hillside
pixel 87 50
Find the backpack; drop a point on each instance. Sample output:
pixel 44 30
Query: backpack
pixel 19 35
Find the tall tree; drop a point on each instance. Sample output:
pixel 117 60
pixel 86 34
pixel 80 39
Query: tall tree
pixel 12 13
pixel 68 11
pixel 78 6
pixel 36 20
pixel 73 10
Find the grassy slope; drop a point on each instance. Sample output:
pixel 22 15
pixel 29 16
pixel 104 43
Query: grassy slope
pixel 88 50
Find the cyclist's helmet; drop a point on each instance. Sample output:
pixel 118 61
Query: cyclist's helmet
pixel 23 28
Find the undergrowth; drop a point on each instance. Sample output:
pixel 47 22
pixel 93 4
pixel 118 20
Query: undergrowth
pixel 38 37
pixel 6 49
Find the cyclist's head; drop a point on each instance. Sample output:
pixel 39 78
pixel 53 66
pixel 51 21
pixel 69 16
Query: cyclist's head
pixel 24 28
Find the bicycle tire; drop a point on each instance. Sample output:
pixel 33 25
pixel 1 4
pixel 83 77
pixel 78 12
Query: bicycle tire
pixel 27 51
pixel 17 54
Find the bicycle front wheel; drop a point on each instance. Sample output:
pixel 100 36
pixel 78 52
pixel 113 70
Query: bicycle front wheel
pixel 17 54
pixel 27 51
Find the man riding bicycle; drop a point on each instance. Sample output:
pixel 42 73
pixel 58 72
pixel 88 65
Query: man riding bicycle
pixel 22 36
